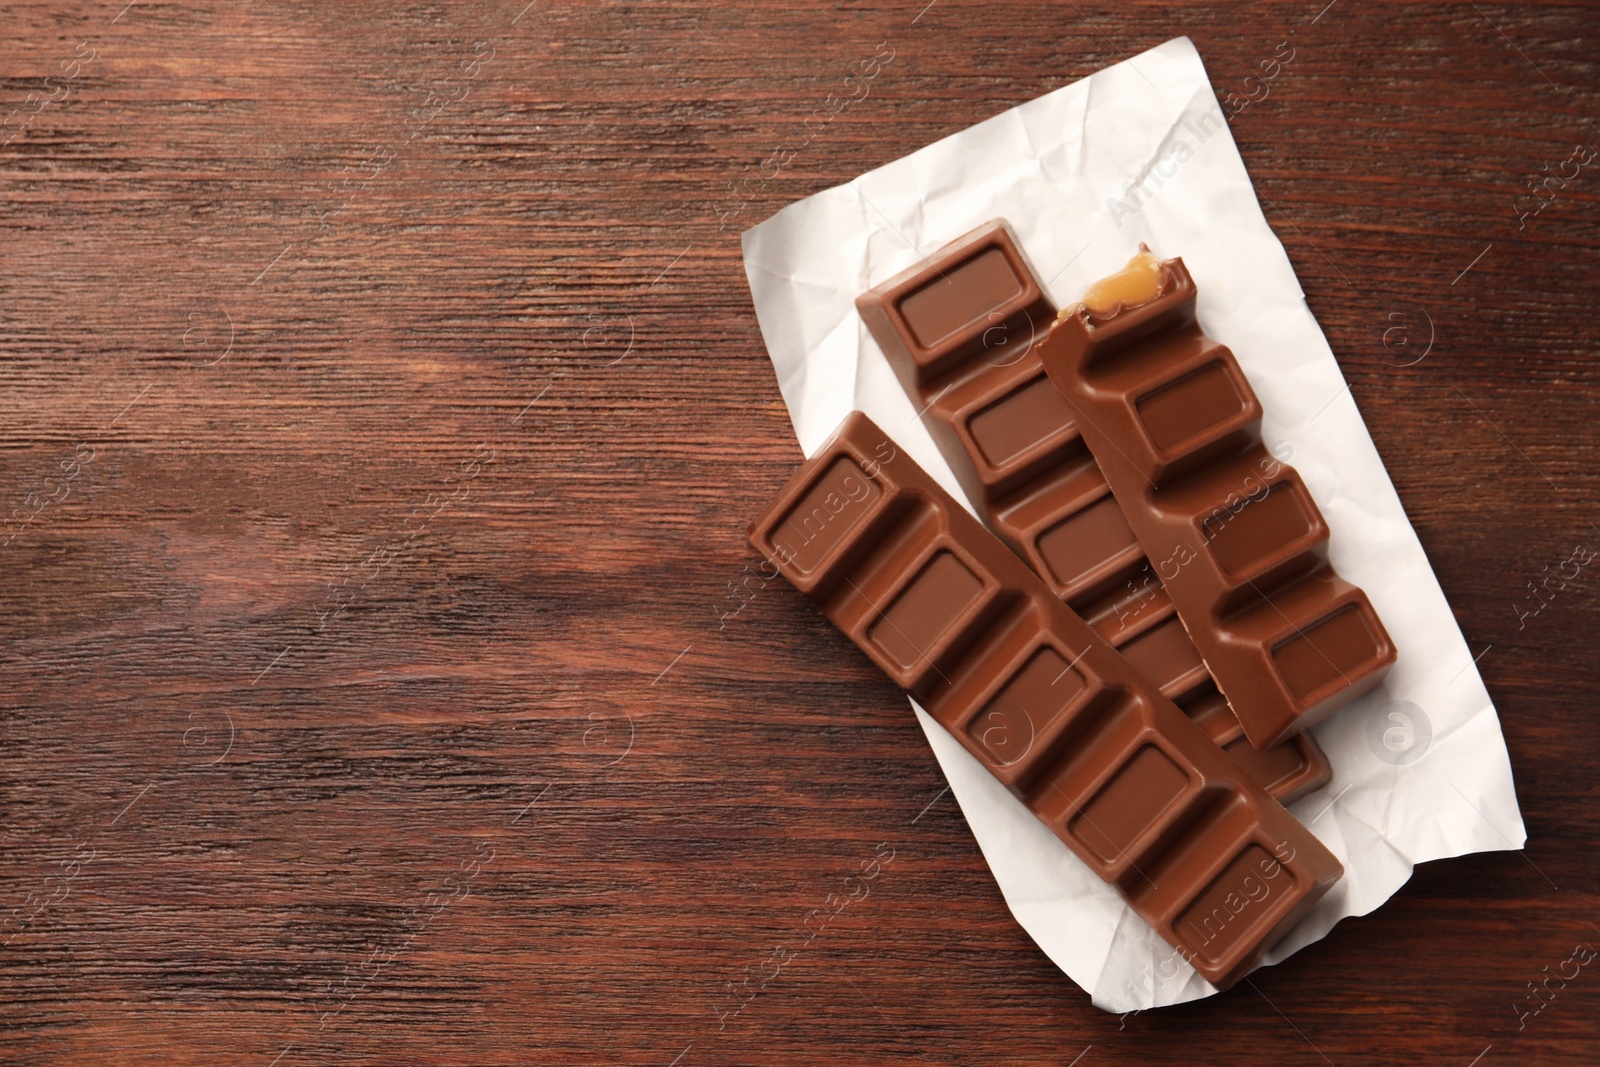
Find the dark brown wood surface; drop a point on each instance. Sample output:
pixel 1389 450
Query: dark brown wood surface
pixel 386 678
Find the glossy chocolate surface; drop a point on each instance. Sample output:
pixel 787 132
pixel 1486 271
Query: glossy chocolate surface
pixel 1087 742
pixel 1011 438
pixel 1176 428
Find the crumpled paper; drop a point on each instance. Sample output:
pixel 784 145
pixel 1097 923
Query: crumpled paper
pixel 1138 152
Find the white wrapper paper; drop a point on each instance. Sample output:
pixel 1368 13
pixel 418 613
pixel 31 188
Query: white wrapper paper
pixel 1420 767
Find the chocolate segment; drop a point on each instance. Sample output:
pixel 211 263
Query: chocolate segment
pixel 1087 742
pixel 1177 430
pixel 970 365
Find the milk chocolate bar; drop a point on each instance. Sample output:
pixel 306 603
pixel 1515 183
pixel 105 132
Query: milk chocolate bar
pixel 1176 428
pixel 1087 742
pixel 960 330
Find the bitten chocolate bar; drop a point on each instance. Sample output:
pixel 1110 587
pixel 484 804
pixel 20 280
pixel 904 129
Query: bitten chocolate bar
pixel 1177 430
pixel 960 330
pixel 1092 747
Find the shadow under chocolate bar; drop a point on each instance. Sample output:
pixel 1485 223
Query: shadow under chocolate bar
pixel 1176 428
pixel 1111 766
pixel 960 330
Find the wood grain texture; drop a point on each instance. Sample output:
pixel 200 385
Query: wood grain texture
pixel 378 464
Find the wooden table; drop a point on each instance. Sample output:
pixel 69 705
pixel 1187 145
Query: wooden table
pixel 386 676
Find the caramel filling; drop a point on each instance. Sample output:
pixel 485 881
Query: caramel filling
pixel 1137 283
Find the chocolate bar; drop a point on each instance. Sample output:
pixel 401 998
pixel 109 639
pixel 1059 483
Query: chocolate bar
pixel 1176 428
pixel 959 329
pixel 1087 742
